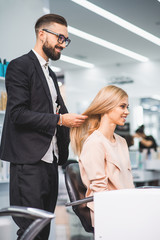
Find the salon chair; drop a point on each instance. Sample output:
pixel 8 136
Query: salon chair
pixel 76 191
pixel 41 219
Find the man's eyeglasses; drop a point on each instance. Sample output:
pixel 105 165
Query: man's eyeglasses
pixel 61 37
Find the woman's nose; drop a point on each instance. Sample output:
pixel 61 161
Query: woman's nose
pixel 126 111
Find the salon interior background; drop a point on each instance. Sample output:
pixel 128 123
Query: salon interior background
pixel 128 59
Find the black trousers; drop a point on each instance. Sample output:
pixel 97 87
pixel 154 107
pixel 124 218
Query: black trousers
pixel 34 186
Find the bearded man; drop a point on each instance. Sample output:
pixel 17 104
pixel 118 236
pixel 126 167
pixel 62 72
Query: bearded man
pixel 35 134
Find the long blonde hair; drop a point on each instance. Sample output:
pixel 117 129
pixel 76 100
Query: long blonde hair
pixel 106 99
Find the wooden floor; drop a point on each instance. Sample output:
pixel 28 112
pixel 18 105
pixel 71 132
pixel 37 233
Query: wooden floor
pixel 68 226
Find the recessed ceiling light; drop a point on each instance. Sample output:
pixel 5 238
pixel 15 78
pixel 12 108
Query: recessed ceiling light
pixel 106 44
pixel 154 108
pixel 76 61
pixel 157 97
pixel 121 22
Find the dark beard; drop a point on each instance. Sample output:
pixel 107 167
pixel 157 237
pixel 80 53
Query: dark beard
pixel 50 52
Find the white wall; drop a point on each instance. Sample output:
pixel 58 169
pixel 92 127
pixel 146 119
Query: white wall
pixel 82 85
pixel 17 37
pixel 17 19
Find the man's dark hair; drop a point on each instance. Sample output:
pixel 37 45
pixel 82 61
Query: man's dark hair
pixel 48 19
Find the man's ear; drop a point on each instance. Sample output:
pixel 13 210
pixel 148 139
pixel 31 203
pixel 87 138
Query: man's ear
pixel 42 36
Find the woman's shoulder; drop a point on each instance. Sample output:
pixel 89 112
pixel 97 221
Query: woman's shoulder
pixel 94 144
pixel 94 139
pixel 120 139
pixel 96 136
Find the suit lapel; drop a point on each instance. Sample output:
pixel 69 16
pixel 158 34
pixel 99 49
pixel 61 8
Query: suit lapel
pixel 41 75
pixel 44 82
pixel 59 101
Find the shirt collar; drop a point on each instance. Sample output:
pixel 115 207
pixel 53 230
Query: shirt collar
pixel 42 61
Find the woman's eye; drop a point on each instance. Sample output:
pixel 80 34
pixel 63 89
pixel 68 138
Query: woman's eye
pixel 122 106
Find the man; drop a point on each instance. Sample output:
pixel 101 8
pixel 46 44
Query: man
pixel 36 128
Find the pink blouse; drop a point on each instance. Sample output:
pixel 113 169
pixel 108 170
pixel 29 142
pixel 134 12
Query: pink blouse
pixel 104 165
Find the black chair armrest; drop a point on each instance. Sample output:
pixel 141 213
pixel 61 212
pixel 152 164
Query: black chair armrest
pixel 78 202
pixel 27 212
pixel 41 219
pixel 90 199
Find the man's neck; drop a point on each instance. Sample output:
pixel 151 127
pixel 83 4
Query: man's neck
pixel 40 52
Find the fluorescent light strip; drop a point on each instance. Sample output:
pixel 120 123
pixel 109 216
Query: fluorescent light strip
pixel 46 10
pixel 106 44
pixel 121 22
pixel 76 61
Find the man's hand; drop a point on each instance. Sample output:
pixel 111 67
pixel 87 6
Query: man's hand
pixel 136 135
pixel 72 119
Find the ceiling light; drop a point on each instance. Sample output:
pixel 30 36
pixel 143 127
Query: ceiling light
pixel 121 22
pixel 146 106
pixel 76 61
pixel 56 69
pixel 157 97
pixel 106 44
pixel 154 108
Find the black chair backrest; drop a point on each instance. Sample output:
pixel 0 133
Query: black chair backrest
pixel 76 191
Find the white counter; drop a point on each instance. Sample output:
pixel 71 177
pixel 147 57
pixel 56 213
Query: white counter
pixel 132 214
pixel 145 176
pixel 152 164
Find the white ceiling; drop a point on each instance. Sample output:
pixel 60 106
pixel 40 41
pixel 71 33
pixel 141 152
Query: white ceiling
pixel 142 13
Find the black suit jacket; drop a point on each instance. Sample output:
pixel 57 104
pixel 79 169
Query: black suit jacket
pixel 30 123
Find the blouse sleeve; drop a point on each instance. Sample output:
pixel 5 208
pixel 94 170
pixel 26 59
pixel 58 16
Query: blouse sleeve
pixel 93 161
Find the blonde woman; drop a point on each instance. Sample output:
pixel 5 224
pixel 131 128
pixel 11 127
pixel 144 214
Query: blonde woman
pixel 103 155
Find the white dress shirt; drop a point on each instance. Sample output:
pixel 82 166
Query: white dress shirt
pixel 48 157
